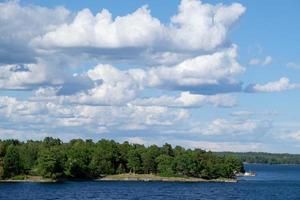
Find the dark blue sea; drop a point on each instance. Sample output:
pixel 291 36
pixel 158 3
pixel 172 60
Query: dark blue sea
pixel 272 182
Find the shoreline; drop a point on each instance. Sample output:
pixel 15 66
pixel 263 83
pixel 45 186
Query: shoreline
pixel 247 163
pixel 126 177
pixel 156 178
pixel 30 179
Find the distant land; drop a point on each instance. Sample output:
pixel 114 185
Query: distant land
pixel 263 157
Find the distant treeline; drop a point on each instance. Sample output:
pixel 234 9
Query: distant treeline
pixel 266 158
pixel 79 159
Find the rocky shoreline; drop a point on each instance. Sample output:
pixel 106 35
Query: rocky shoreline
pixel 124 177
pixel 29 179
pixel 152 178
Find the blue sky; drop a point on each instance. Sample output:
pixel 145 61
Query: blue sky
pixel 219 75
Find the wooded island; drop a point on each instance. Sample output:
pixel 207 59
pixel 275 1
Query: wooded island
pixel 85 159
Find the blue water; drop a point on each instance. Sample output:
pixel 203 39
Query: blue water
pixel 271 182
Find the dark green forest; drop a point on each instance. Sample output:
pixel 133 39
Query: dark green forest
pixel 264 158
pixel 85 159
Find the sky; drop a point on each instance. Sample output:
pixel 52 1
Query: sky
pixel 216 75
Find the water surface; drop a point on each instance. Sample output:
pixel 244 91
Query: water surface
pixel 271 182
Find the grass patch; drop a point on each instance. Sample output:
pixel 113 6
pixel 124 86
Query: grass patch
pixel 154 177
pixel 18 178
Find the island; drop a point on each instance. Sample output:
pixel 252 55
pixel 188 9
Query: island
pixel 52 160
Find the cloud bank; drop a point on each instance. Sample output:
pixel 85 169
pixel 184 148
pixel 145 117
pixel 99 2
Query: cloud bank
pixel 92 75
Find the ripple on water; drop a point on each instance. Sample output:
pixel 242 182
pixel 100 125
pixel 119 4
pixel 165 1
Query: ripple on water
pixel 272 182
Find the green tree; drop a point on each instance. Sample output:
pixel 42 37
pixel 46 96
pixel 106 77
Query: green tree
pixel 148 159
pixel 51 163
pixel 78 160
pixel 229 166
pixel 186 164
pixel 12 164
pixel 1 170
pixel 50 142
pixel 210 166
pixel 167 149
pixel 165 165
pixel 2 149
pixel 28 156
pixel 123 150
pixel 105 158
pixel 178 150
pixel 134 161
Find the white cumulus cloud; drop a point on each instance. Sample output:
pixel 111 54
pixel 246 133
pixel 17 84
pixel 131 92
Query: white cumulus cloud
pixel 186 99
pixel 21 24
pixel 197 26
pixel 213 73
pixel 282 84
pixel 222 126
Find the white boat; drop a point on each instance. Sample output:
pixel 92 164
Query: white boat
pixel 249 174
pixel 246 174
